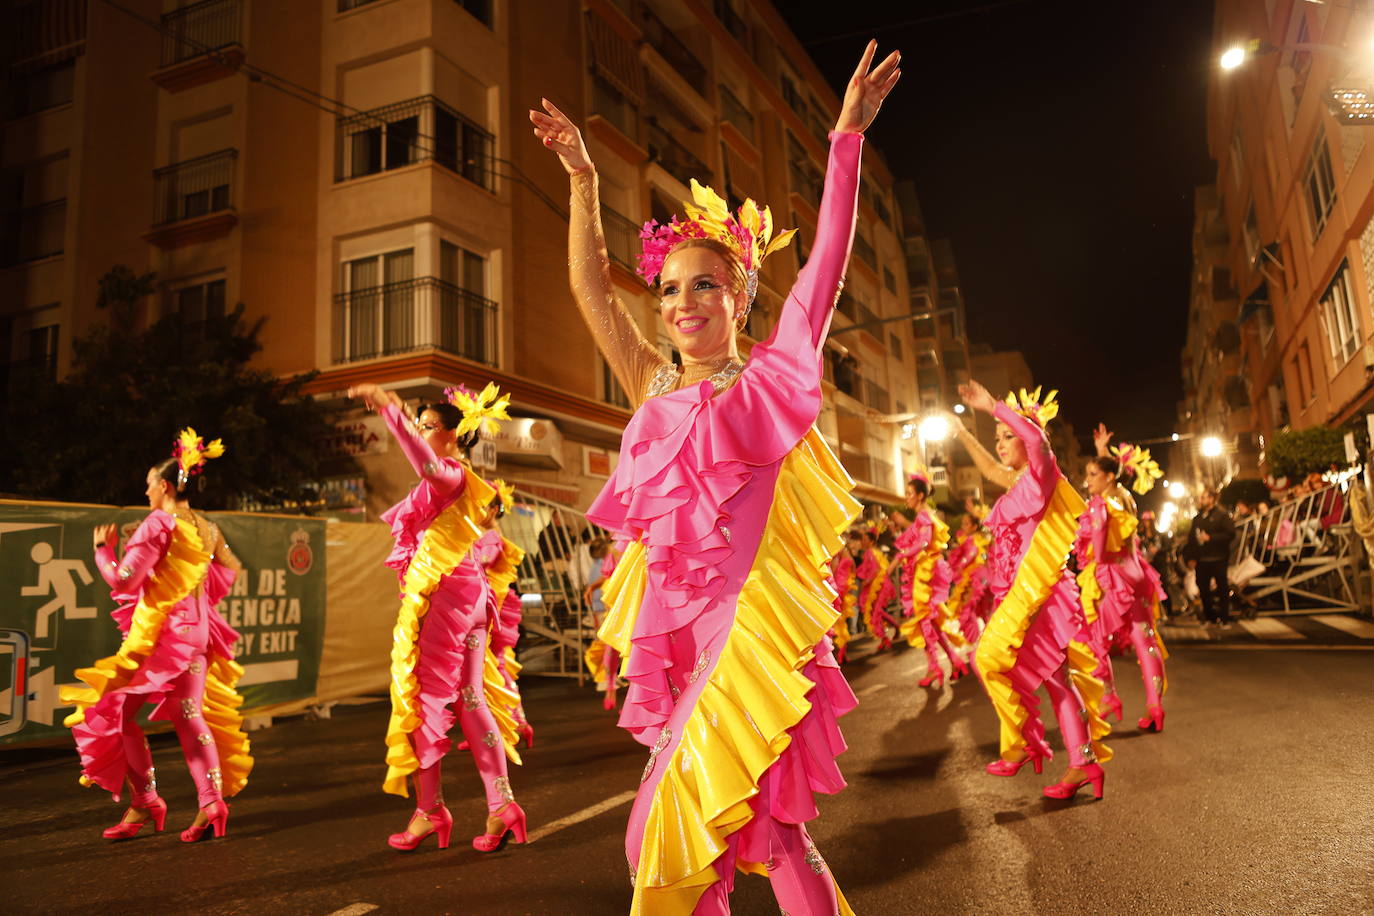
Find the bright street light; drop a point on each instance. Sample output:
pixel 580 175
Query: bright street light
pixel 1233 58
pixel 1170 508
pixel 934 428
pixel 1175 437
pixel 1166 483
pixel 959 408
pixel 1210 447
pixel 1177 490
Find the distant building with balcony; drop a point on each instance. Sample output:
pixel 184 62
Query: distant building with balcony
pixel 388 216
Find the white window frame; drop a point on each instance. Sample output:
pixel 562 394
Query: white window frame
pixel 1319 185
pixel 1341 318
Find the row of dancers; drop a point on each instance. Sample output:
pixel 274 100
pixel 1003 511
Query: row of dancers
pixel 720 608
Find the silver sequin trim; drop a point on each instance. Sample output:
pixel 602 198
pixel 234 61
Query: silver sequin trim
pixel 665 738
pixel 204 739
pixel 672 688
pixel 725 532
pixel 1083 714
pixel 1158 683
pixel 470 698
pixel 490 739
pixel 429 469
pixel 124 574
pixel 194 667
pixel 631 866
pixel 703 660
pixel 813 858
pixel 473 641
pixel 190 709
pixel 502 786
pixel 216 779
pixel 1088 755
pixel 150 782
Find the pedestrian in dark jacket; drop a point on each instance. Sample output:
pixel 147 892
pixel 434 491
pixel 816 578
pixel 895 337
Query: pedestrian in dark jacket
pixel 1208 553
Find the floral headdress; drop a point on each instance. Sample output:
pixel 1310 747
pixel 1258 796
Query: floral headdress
pixel 191 453
pixel 482 412
pixel 505 494
pixel 1032 408
pixel 1139 466
pixel 920 475
pixel 979 511
pixel 748 234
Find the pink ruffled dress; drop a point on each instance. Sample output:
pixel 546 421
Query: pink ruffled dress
pixel 733 687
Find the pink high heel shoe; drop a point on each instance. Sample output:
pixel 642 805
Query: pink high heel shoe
pixel 125 830
pixel 440 824
pixel 1092 773
pixel 1000 767
pixel 961 669
pixel 527 730
pixel 1111 705
pixel 216 816
pixel 513 817
pixel 935 677
pixel 1153 720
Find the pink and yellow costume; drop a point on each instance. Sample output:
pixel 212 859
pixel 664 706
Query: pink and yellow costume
pixel 603 661
pixel 925 584
pixel 1032 636
pixel 500 562
pixel 735 505
pixel 966 565
pixel 1121 595
pixel 876 593
pixel 844 581
pixel 439 644
pixel 177 652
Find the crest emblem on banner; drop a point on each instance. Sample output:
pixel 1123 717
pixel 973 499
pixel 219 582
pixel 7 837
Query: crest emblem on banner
pixel 299 557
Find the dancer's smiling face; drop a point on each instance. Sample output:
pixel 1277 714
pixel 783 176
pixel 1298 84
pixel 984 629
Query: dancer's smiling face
pixel 1011 451
pixel 700 304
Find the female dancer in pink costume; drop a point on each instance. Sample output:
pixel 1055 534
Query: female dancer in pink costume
pixel 966 562
pixel 1121 591
pixel 925 581
pixel 1031 638
pixel 602 660
pixel 876 591
pixel 177 652
pixel 441 629
pixel 845 582
pixel 734 504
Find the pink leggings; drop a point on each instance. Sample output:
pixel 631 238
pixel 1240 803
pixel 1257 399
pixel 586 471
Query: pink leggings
pixel 1071 715
pixel 801 880
pixel 479 728
pixel 1151 664
pixel 934 636
pixel 197 745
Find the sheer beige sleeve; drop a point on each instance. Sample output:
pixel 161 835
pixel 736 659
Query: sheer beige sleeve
pixel 633 359
pixel 224 553
pixel 991 469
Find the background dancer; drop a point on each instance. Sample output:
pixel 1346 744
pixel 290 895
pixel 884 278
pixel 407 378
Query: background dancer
pixel 925 583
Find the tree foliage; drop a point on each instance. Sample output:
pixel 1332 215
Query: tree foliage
pixel 1296 452
pixel 92 436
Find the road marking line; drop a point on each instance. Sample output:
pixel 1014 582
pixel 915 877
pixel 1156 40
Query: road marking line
pixel 578 817
pixel 355 909
pixel 1284 647
pixel 870 690
pixel 1269 628
pixel 1352 625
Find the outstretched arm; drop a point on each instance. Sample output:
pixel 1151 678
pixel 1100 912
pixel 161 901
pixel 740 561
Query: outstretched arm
pixel 146 546
pixel 445 477
pixel 632 358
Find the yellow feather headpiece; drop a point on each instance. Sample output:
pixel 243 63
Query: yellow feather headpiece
pixel 191 453
pixel 1137 463
pixel 505 493
pixel 1032 408
pixel 482 412
pixel 748 234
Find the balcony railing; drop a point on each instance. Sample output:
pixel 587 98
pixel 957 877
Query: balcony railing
pixel 415 130
pixel 194 188
pixel 419 314
pixel 805 181
pixel 33 233
pixel 674 157
pixel 733 110
pixel 864 249
pixel 734 23
pixel 622 238
pixel 201 27
pixel 671 48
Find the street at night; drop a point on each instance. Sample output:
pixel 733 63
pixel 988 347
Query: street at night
pixel 1251 801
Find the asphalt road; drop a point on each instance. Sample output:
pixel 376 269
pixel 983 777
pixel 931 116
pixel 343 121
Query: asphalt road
pixel 1256 799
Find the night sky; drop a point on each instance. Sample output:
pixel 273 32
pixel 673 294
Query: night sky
pixel 1057 145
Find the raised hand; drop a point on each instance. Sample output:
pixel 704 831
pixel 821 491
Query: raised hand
pixel 977 397
pixel 1102 438
pixel 106 535
pixel 558 133
pixel 866 90
pixel 373 396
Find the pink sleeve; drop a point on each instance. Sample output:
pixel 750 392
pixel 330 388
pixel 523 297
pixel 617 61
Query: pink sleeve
pixel 146 546
pixel 1038 453
pixel 446 478
pixel 107 562
pixel 919 540
pixel 818 283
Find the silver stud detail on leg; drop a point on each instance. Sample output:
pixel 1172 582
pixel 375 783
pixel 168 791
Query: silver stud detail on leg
pixel 813 858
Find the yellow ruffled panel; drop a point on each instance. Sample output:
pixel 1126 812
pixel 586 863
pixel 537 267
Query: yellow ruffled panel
pixel 1040 569
pixel 505 569
pixel 1089 592
pixel 756 693
pixel 623 593
pixel 502 702
pixel 875 588
pixel 595 658
pixel 920 586
pixel 444 544
pixel 1082 664
pixel 220 711
pixel 176 575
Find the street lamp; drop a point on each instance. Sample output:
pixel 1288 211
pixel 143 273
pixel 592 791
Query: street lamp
pixel 1233 57
pixel 934 428
pixel 1210 447
pixel 1177 490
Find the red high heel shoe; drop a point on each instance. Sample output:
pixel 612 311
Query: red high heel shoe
pixel 1111 705
pixel 527 730
pixel 1000 767
pixel 440 824
pixel 1092 773
pixel 935 677
pixel 1153 721
pixel 463 745
pixel 513 816
pixel 961 669
pixel 124 830
pixel 216 816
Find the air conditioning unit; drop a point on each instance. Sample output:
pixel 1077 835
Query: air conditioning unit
pixel 939 476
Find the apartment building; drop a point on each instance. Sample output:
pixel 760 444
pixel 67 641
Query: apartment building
pixel 361 175
pixel 1281 320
